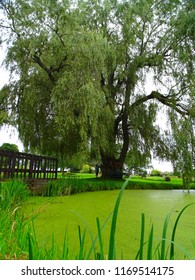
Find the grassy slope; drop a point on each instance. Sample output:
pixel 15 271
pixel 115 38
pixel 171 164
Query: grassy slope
pixel 136 182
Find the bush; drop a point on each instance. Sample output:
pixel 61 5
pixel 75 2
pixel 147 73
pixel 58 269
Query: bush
pixel 86 168
pixel 155 172
pixel 143 173
pixel 167 178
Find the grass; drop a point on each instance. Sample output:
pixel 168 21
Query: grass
pixel 111 252
pixel 12 193
pixel 174 180
pixel 72 235
pixel 157 182
pixel 77 183
pixel 14 226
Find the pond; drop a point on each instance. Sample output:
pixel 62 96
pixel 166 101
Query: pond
pixel 60 213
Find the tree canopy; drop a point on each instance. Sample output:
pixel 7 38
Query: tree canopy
pixel 9 147
pixel 91 76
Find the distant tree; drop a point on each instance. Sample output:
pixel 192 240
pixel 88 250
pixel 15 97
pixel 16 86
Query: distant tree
pixel 10 147
pixel 92 75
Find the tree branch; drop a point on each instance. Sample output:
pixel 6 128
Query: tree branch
pixel 37 60
pixel 180 108
pixel 60 66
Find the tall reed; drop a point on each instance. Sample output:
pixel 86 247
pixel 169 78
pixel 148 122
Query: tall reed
pixel 13 224
pixel 12 193
pixel 165 249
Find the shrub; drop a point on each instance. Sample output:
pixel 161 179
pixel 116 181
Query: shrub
pixel 167 178
pixel 86 168
pixel 155 172
pixel 143 173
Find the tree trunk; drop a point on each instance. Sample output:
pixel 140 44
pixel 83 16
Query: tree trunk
pixel 111 168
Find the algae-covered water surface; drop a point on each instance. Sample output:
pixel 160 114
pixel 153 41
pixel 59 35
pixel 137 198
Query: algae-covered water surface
pixel 57 215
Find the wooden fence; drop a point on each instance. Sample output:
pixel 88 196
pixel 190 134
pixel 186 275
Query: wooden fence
pixel 27 166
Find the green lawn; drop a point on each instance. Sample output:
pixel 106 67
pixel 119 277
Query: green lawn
pixel 174 180
pixel 157 182
pixel 77 175
pixel 135 182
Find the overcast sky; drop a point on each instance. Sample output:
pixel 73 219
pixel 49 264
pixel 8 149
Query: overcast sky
pixel 7 134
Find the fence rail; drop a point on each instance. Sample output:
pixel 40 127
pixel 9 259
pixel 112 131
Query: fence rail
pixel 27 166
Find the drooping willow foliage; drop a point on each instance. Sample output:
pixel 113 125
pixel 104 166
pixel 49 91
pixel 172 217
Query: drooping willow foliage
pixel 91 76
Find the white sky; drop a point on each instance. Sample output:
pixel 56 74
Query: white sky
pixel 9 134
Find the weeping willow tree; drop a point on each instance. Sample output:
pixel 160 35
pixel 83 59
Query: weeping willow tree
pixel 91 76
pixel 4 116
pixel 183 148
